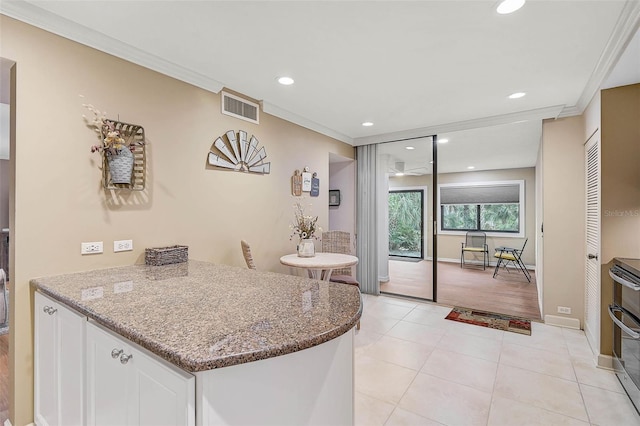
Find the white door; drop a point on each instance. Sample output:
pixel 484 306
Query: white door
pixel 592 262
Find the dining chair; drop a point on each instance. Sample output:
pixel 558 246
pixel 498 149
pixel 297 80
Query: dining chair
pixel 475 242
pixel 246 252
pixel 339 242
pixel 506 255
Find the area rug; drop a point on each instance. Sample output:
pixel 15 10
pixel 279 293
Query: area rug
pixel 490 320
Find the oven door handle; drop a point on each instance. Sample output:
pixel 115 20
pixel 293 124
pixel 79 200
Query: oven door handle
pixel 616 321
pixel 622 281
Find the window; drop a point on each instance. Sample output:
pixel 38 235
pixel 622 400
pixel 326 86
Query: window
pixel 492 207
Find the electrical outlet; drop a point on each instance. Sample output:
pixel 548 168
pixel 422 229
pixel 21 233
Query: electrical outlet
pixel 122 245
pixel 564 310
pixel 91 248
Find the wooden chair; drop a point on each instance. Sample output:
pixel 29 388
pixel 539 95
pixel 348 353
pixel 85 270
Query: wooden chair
pixel 246 252
pixel 339 242
pixel 475 242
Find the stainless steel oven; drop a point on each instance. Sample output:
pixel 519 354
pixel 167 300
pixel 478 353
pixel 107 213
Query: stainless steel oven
pixel 625 313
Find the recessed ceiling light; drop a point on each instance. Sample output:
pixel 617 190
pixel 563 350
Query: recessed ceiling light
pixel 409 147
pixel 516 95
pixel 367 124
pixel 431 162
pixel 443 140
pixel 399 174
pixel 509 6
pixel 471 167
pixel 285 81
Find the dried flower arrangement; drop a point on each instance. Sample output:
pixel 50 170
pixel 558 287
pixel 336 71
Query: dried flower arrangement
pixel 112 138
pixel 304 226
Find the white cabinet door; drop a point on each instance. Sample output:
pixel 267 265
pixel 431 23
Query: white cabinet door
pixel 134 387
pixel 58 364
pixel 106 379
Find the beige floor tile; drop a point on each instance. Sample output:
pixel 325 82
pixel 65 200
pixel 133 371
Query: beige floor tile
pixel 475 330
pixel 398 301
pixel 475 346
pixel 370 411
pixel 400 352
pixel 434 307
pixel 401 417
pixel 540 338
pixel 426 317
pixel 463 369
pixel 540 390
pixel 609 408
pixel 446 402
pixel 382 380
pixel 537 360
pixel 507 412
pixel 389 310
pixel 419 333
pixel 377 324
pixel 588 374
pixel 365 338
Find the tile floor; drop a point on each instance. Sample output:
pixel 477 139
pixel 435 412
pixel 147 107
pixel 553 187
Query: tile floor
pixel 413 367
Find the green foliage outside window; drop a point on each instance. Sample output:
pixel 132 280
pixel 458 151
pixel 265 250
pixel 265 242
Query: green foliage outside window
pixel 481 217
pixel 405 221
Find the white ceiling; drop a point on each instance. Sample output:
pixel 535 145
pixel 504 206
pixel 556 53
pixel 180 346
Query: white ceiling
pixel 414 68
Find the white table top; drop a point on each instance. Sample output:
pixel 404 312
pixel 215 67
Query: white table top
pixel 319 261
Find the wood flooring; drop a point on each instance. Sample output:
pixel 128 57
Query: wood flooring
pixel 470 287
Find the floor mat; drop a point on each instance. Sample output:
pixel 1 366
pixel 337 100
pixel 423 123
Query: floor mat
pixel 490 320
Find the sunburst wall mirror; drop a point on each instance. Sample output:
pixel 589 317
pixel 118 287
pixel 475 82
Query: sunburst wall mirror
pixel 233 151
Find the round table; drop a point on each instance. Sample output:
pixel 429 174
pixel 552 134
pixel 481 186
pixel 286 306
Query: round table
pixel 323 262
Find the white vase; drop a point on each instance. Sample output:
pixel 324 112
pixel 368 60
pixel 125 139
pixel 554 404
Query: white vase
pixel 306 248
pixel 121 166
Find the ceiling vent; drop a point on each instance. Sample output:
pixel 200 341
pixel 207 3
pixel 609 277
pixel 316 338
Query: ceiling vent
pixel 240 108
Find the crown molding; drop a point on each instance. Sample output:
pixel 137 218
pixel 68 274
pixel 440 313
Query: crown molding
pixel 304 122
pixel 534 114
pixel 626 27
pixel 43 19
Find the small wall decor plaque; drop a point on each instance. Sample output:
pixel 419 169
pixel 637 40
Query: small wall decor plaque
pixel 315 185
pixel 306 180
pixel 239 154
pixel 296 183
pixel 334 197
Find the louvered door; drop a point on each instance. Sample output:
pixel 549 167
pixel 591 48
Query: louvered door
pixel 592 262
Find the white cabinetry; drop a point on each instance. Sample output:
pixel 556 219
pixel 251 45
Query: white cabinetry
pixel 126 386
pixel 58 364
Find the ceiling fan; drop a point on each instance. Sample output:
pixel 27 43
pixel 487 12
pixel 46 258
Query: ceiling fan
pixel 398 168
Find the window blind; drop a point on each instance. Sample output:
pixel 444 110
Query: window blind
pixel 480 194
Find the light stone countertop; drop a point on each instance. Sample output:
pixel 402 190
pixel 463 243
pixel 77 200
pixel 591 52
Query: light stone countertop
pixel 200 316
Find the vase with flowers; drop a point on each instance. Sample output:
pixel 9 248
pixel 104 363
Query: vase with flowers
pixel 117 143
pixel 304 228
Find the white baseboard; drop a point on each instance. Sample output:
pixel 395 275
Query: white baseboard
pixel 605 362
pixel 566 322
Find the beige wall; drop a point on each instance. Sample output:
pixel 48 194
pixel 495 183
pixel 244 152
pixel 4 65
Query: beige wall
pixel 4 193
pixel 563 215
pixel 620 189
pixel 59 201
pixel 449 245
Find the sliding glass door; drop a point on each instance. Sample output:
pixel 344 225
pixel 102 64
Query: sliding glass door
pixel 405 203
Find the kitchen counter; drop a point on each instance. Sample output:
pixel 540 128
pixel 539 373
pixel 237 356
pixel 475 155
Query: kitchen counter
pixel 202 316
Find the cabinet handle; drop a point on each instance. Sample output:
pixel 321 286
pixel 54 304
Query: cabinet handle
pixel 124 358
pixel 49 310
pixel 116 353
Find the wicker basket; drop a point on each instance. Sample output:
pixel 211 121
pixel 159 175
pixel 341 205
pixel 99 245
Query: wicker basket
pixel 166 255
